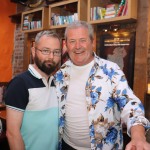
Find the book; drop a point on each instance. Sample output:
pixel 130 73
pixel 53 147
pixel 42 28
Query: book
pixel 125 9
pixel 121 7
pixel 111 10
pixel 120 10
pixel 102 12
pixel 111 7
pixel 97 13
pixel 110 16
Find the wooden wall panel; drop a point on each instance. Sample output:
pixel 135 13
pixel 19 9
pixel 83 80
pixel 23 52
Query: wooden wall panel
pixel 141 53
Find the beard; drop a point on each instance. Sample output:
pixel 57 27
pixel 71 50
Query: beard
pixel 44 67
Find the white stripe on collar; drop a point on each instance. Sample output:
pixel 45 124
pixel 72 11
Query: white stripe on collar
pixel 34 72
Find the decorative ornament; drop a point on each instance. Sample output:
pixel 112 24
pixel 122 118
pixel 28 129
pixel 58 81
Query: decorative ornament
pixel 38 3
pixel 29 3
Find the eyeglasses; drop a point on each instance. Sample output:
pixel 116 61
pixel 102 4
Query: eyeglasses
pixel 47 51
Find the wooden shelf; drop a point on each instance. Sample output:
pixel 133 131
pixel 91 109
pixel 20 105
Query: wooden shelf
pixel 16 18
pixel 70 7
pixel 34 20
pixel 60 10
pixel 131 15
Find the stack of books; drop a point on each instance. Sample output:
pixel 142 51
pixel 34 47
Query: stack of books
pixel 97 13
pixel 58 19
pixel 26 24
pixel 111 10
pixel 30 23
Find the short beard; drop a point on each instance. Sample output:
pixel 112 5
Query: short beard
pixel 46 69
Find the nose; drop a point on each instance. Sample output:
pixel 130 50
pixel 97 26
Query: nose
pixel 77 45
pixel 51 55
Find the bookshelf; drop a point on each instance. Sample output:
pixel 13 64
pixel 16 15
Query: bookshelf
pixel 34 20
pixel 16 18
pixel 58 15
pixel 65 12
pixel 129 16
pixel 68 7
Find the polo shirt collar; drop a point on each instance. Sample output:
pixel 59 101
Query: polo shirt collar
pixel 33 71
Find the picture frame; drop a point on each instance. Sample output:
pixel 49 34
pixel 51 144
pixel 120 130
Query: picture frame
pixel 120 50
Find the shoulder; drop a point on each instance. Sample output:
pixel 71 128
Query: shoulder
pixel 65 67
pixel 24 75
pixel 110 69
pixel 19 80
pixel 106 63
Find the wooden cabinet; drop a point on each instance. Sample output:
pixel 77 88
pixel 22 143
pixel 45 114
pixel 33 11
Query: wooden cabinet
pixel 65 12
pixel 59 14
pixel 34 20
pixel 129 5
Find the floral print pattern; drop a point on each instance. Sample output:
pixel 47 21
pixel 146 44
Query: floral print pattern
pixel 110 104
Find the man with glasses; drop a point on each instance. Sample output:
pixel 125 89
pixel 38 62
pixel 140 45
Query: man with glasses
pixel 31 102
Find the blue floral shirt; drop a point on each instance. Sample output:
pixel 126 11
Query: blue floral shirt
pixel 110 104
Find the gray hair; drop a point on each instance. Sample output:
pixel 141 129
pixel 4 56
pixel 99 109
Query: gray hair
pixel 48 33
pixel 78 24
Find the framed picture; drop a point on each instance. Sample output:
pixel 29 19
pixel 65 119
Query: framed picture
pixel 120 50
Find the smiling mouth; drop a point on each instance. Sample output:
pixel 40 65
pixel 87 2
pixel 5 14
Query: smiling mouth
pixel 79 52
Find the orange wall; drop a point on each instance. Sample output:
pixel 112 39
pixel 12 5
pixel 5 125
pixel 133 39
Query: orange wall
pixel 7 8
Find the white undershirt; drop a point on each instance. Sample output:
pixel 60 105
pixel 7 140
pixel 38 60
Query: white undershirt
pixel 76 131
